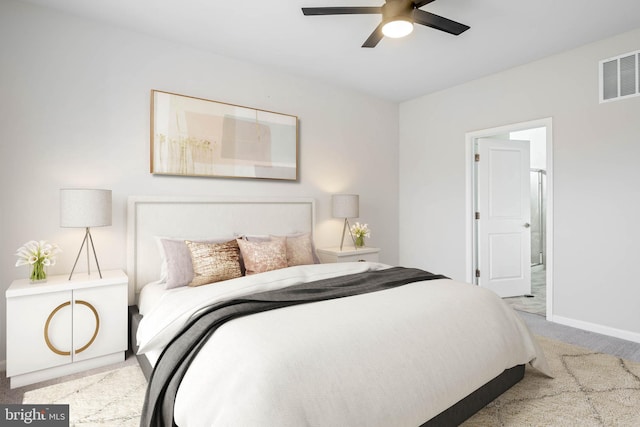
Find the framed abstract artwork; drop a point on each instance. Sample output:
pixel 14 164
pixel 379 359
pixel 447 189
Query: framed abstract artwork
pixel 198 137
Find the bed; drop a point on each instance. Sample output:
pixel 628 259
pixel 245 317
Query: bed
pixel 426 350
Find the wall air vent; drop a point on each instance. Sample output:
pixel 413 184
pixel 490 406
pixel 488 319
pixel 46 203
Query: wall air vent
pixel 620 77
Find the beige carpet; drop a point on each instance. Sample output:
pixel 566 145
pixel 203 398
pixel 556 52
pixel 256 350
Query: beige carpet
pixel 589 389
pixel 112 398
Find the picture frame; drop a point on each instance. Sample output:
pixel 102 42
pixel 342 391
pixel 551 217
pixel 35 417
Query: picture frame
pixel 199 137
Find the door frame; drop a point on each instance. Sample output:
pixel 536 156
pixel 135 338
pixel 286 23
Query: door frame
pixel 470 235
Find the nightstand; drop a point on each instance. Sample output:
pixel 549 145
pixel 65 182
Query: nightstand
pixel 63 326
pixel 328 255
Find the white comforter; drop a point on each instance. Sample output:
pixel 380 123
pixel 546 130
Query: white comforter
pixel 391 358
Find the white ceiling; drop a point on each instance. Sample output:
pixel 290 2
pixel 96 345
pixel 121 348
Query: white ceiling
pixel 503 34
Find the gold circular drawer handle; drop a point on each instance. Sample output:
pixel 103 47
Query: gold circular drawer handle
pixel 53 313
pixel 95 333
pixel 46 330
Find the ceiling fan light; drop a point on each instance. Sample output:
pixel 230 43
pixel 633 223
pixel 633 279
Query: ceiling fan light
pixel 397 28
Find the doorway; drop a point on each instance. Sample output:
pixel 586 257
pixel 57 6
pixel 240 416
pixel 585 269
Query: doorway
pixel 540 174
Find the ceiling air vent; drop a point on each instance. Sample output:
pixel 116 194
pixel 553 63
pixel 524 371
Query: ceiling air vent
pixel 619 77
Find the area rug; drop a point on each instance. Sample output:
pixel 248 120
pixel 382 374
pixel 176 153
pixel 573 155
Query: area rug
pixel 589 389
pixel 112 398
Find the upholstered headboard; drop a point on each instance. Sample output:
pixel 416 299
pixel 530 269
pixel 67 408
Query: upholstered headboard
pixel 203 217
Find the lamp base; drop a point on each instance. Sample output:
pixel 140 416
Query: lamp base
pixel 346 227
pixel 87 239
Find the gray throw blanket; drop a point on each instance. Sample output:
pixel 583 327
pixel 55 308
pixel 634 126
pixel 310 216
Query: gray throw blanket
pixel 177 356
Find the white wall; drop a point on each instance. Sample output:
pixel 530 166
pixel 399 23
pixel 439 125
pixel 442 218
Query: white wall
pixel 596 179
pixel 75 112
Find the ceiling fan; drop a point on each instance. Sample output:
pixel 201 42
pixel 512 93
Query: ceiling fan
pixel 398 17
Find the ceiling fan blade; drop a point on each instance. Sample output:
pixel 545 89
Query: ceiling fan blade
pixel 374 38
pixel 309 11
pixel 422 3
pixel 438 22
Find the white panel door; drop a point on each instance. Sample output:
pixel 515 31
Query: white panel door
pixel 504 207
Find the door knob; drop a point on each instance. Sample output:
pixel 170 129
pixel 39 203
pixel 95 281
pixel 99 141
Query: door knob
pixel 527 225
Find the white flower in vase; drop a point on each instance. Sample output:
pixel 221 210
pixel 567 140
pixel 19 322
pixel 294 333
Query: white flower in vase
pixel 359 232
pixel 38 255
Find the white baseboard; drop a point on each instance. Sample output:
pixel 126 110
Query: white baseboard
pixel 599 329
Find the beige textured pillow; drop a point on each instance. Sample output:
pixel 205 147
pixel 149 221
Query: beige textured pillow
pixel 214 262
pixel 259 257
pixel 299 250
pixel 177 267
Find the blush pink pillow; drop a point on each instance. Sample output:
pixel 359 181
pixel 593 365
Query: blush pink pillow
pixel 299 250
pixel 259 257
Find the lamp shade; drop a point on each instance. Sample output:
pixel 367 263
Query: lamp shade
pixel 345 205
pixel 84 207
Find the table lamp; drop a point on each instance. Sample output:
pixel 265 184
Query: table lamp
pixel 346 206
pixel 85 208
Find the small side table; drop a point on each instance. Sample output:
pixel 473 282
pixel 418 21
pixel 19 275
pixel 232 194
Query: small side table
pixel 328 255
pixel 63 326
